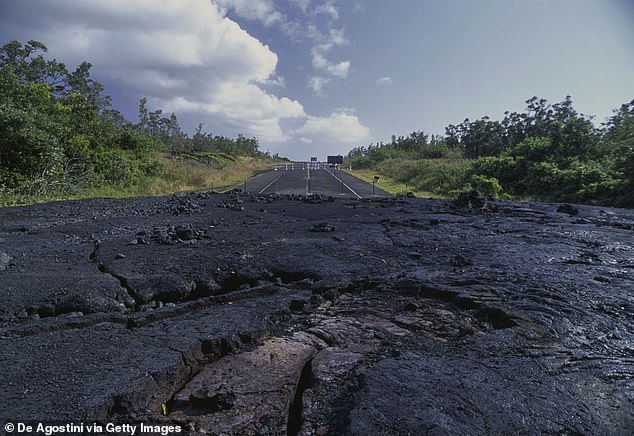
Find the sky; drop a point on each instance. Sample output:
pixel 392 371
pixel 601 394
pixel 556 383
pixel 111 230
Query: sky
pixel 319 77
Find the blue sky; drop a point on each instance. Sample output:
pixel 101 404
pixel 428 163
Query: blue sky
pixel 318 77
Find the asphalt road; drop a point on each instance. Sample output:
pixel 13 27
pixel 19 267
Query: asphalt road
pixel 327 181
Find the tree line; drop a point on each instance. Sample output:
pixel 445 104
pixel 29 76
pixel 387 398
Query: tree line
pixel 167 132
pixel 547 152
pixel 59 131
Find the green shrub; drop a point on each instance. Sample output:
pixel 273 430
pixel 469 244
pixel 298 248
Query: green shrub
pixel 530 170
pixel 441 177
pixel 120 168
pixel 487 185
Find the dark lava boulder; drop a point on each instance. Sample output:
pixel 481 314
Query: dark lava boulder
pixel 164 287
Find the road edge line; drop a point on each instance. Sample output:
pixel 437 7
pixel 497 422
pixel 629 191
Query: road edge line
pixel 269 185
pixel 344 184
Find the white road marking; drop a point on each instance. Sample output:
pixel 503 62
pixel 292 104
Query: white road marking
pixel 344 183
pixel 269 185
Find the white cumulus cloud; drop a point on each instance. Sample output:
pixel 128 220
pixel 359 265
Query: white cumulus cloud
pixel 328 135
pixel 319 53
pixel 340 126
pixel 261 10
pixel 338 69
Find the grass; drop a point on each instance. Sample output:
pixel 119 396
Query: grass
pixel 179 174
pixel 188 174
pixel 440 178
pixel 387 183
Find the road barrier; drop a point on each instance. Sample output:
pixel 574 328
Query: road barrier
pixel 303 166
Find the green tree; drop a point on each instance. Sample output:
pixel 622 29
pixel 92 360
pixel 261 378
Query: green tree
pixel 482 137
pixel 32 129
pixel 536 168
pixel 619 139
pixel 79 82
pixel 29 64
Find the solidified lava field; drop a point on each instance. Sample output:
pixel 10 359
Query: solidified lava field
pixel 242 314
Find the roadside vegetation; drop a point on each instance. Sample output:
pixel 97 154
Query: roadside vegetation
pixel 181 173
pixel 60 138
pixel 549 152
pixel 421 177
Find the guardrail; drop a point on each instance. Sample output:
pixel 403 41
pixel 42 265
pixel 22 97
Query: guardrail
pixel 303 166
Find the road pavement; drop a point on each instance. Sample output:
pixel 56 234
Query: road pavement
pixel 326 181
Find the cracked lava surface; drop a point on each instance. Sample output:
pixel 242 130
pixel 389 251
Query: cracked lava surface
pixel 287 314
